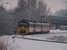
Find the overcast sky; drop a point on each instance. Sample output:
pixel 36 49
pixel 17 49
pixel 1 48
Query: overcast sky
pixel 56 4
pixel 53 4
pixel 9 4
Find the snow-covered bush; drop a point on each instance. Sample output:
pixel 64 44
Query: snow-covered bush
pixel 58 38
pixel 5 44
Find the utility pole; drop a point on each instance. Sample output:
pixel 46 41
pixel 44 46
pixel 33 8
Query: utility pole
pixel 42 23
pixel 34 26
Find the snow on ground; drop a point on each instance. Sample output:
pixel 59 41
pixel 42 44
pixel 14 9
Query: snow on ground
pixel 39 45
pixel 53 35
pixel 59 31
pixel 25 44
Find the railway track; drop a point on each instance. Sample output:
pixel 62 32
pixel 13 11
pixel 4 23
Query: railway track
pixel 41 40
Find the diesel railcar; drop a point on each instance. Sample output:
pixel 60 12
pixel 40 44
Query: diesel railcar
pixel 25 27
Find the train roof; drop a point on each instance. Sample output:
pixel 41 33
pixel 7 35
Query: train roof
pixel 32 23
pixel 23 22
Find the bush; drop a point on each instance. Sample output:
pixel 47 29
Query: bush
pixel 3 45
pixel 58 38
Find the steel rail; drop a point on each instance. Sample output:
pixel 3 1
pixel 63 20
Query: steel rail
pixel 41 40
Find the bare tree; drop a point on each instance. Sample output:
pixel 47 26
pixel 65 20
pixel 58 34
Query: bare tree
pixel 31 9
pixel 27 9
pixel 41 10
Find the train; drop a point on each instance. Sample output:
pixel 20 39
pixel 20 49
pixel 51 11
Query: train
pixel 25 27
